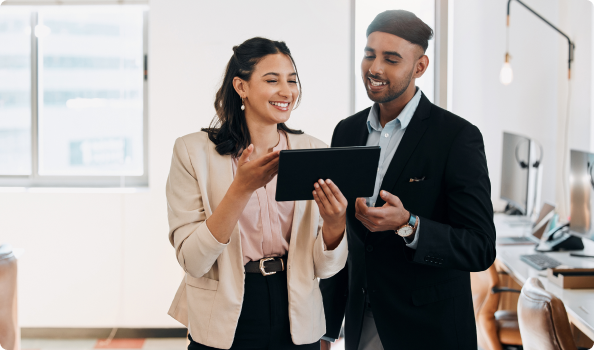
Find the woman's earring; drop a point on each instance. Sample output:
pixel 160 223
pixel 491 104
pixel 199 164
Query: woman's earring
pixel 242 106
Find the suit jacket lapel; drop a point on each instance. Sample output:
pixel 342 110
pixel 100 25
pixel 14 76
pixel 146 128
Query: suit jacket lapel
pixel 413 134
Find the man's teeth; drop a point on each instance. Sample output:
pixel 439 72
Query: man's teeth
pixel 377 83
pixel 280 104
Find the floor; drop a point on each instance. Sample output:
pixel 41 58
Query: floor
pixel 144 344
pixel 87 344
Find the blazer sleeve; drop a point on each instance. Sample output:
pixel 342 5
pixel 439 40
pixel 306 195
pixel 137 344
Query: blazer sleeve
pixel 327 263
pixel 467 243
pixel 195 247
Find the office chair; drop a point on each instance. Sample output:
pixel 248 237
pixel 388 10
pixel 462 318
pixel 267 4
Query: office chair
pixel 9 329
pixel 495 329
pixel 543 319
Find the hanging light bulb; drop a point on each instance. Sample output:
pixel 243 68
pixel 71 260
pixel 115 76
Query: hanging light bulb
pixel 506 75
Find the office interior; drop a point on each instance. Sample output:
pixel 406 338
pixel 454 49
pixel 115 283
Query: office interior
pixel 82 194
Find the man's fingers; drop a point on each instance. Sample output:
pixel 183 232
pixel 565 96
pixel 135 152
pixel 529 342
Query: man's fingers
pixel 390 198
pixel 368 225
pixel 360 206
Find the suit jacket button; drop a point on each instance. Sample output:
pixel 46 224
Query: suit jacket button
pixel 370 248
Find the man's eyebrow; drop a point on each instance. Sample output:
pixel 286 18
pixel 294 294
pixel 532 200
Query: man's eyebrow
pixel 392 53
pixel 367 48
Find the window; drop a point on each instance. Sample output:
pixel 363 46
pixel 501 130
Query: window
pixel 365 12
pixel 73 96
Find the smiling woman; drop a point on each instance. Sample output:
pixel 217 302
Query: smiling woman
pixel 245 254
pixel 228 129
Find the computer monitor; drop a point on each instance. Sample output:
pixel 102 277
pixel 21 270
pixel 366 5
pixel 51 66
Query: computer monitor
pixel 520 175
pixel 581 180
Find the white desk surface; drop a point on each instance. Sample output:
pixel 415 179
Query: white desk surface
pixel 579 303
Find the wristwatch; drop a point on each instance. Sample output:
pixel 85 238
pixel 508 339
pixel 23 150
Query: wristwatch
pixel 410 227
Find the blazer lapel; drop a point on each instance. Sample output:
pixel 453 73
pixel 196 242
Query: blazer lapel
pixel 220 173
pixel 413 134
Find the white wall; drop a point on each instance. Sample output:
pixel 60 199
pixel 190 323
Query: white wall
pixel 89 253
pixel 534 104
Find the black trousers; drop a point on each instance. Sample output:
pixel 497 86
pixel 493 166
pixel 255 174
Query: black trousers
pixel 264 319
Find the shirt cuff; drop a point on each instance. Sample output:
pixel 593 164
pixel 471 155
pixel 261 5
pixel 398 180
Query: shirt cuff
pixel 328 339
pixel 413 244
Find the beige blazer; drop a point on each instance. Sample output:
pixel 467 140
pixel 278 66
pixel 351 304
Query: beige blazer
pixel 210 297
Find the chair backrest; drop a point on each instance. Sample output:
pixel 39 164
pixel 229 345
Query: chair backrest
pixel 9 329
pixel 485 306
pixel 543 320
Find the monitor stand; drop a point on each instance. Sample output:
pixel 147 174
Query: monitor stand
pixel 514 217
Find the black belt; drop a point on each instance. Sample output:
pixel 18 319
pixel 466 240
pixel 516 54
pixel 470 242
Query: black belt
pixel 266 266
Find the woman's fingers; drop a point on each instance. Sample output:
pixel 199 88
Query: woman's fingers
pixel 270 157
pixel 245 155
pixel 336 191
pixel 319 203
pixel 328 192
pixel 322 196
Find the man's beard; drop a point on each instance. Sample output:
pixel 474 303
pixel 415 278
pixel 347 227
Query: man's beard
pixel 391 94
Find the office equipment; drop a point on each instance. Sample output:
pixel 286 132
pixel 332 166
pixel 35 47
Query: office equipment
pixel 540 261
pixel 576 301
pixel 521 174
pixel 352 169
pixel 546 213
pixel 581 181
pixel 578 255
pixel 572 278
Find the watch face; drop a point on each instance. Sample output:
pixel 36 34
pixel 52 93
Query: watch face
pixel 405 231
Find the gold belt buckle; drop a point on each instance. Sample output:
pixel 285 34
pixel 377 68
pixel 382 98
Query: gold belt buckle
pixel 262 270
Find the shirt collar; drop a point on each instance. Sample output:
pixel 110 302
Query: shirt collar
pixel 403 118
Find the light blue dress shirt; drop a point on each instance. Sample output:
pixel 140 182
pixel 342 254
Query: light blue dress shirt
pixel 388 138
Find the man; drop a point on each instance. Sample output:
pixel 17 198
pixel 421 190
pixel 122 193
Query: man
pixel 430 221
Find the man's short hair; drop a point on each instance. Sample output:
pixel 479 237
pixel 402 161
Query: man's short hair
pixel 403 24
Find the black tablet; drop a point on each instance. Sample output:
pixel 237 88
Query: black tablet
pixel 352 169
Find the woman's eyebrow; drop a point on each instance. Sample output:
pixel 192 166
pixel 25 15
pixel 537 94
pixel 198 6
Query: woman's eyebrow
pixel 277 75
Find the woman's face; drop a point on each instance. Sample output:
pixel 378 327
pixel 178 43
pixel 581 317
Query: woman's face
pixel 271 91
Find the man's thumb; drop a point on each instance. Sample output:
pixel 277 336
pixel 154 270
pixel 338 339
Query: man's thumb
pixel 390 198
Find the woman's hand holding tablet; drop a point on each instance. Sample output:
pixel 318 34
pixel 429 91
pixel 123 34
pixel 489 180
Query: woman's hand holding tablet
pixel 332 205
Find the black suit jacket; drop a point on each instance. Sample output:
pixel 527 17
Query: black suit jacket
pixel 420 298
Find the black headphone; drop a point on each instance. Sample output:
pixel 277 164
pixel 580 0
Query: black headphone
pixel 522 163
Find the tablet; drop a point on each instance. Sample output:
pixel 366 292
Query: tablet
pixel 352 169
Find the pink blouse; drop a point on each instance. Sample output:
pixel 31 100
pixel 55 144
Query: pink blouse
pixel 265 224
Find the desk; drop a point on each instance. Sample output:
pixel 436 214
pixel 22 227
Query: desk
pixel 579 303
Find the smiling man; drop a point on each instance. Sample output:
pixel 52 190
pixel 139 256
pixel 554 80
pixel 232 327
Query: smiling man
pixel 430 220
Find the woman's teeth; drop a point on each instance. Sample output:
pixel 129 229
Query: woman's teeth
pixel 377 83
pixel 280 104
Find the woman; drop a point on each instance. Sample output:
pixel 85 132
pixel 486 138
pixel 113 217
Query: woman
pixel 251 263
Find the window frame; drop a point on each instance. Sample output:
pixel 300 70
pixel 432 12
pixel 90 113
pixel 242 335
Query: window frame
pixel 37 180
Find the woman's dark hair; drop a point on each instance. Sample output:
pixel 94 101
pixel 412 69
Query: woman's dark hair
pixel 403 24
pixel 228 130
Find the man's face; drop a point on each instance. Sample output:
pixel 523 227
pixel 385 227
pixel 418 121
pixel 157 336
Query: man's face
pixel 389 65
